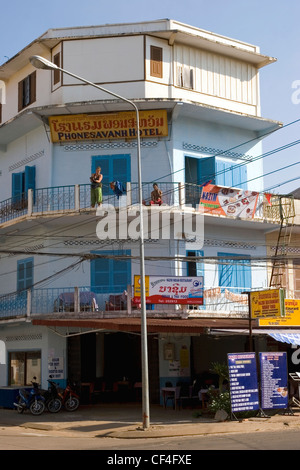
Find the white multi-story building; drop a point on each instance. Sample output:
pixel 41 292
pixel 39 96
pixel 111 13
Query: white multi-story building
pixel 65 291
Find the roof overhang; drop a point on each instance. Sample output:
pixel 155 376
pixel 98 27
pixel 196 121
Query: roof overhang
pixel 133 325
pixel 172 31
pixel 34 117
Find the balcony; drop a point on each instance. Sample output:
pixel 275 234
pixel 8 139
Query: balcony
pixel 76 198
pixel 82 301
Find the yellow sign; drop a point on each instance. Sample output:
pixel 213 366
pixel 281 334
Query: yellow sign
pixel 137 286
pixel 292 315
pixel 268 303
pixel 74 127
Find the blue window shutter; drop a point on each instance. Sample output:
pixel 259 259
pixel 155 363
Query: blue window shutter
pixel 234 273
pixel 231 174
pixel 109 274
pixel 25 274
pixel 113 168
pixel 206 170
pixel 17 186
pixel 240 177
pixel 30 180
pixel 223 174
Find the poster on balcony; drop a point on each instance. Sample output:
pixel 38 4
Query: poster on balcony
pixel 170 290
pixel 121 125
pixel 244 394
pixel 274 380
pixel 229 202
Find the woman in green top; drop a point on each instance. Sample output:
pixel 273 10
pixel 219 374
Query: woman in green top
pixel 96 187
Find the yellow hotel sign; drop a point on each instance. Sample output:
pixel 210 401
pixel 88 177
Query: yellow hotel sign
pixel 292 315
pixel 108 126
pixel 268 303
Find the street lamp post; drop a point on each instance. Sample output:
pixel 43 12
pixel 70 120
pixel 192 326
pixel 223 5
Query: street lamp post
pixel 42 63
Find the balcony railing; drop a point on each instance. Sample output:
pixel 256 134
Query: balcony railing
pixel 49 301
pixel 217 301
pixel 78 197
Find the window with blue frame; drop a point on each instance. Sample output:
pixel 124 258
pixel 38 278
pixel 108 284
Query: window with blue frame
pixel 21 183
pixel 234 273
pixel 24 274
pixel 113 168
pixel 109 274
pixel 219 171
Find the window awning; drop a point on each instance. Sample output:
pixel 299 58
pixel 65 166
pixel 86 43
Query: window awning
pixel 284 336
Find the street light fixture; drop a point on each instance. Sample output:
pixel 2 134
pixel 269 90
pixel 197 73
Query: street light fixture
pixel 42 63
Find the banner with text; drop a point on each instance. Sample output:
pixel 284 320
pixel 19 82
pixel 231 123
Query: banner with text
pixel 170 290
pixel 244 394
pixel 291 318
pixel 228 201
pixel 274 380
pixel 267 303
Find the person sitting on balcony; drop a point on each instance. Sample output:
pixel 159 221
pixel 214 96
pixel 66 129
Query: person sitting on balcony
pixel 96 187
pixel 156 195
pixel 117 188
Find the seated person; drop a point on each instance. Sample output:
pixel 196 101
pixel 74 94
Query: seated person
pixel 156 195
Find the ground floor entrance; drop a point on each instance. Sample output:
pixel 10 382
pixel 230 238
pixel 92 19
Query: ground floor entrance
pixel 108 366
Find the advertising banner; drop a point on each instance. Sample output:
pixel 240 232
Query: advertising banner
pixel 244 393
pixel 121 125
pixel 231 202
pixel 291 318
pixel 274 380
pixel 170 290
pixel 267 303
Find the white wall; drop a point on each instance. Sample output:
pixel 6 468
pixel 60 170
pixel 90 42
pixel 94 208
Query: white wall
pixel 33 149
pixel 25 337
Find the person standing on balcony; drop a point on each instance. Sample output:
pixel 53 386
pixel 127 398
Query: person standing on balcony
pixel 156 195
pixel 96 187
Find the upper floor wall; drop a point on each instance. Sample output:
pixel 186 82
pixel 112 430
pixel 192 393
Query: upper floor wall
pixel 155 62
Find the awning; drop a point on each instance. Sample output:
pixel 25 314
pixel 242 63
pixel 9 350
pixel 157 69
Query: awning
pixel 154 325
pixel 284 336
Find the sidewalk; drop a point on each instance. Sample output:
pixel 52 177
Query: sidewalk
pixel 124 421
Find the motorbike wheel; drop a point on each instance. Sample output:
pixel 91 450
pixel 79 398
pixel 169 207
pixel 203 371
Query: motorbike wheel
pixel 37 407
pixel 54 405
pixel 72 403
pixel 21 407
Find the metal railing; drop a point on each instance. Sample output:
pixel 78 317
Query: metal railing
pixel 78 197
pixel 41 301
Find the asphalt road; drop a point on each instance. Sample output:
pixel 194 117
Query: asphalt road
pixel 12 439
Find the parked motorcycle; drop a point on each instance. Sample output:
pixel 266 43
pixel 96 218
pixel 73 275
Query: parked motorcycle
pixel 70 399
pixel 31 400
pixel 52 398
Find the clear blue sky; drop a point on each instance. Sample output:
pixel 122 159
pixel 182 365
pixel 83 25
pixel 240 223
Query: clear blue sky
pixel 273 25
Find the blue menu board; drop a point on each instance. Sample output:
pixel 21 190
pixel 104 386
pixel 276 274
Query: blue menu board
pixel 244 393
pixel 274 380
